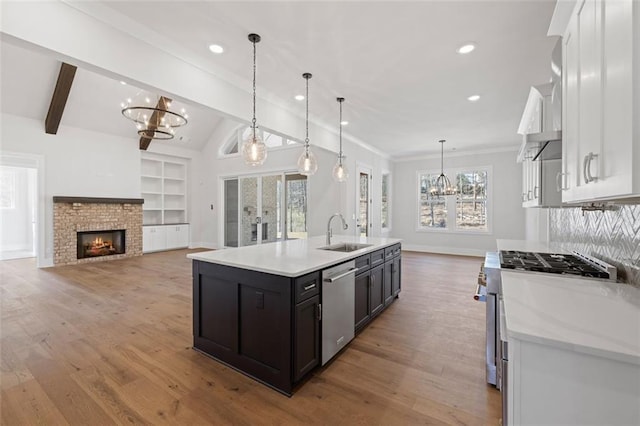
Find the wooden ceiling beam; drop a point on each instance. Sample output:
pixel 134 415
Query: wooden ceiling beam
pixel 59 98
pixel 154 121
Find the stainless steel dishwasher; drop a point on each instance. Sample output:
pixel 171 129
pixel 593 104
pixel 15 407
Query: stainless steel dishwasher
pixel 338 304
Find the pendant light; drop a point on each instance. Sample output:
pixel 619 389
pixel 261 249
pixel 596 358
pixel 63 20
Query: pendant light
pixel 340 171
pixel 443 185
pixel 254 151
pixel 307 164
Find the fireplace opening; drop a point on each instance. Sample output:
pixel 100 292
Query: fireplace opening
pixel 100 243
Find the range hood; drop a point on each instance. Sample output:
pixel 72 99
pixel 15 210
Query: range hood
pixel 541 121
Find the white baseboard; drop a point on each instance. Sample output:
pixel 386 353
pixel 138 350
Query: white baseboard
pixel 444 250
pixel 204 245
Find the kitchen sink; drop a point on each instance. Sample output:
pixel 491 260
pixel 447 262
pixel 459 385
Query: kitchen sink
pixel 346 247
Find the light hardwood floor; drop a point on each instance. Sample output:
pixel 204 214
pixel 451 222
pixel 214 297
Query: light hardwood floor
pixel 110 342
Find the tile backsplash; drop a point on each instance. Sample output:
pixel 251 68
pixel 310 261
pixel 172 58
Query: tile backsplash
pixel 613 236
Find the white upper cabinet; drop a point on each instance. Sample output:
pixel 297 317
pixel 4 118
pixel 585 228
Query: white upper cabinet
pixel 601 53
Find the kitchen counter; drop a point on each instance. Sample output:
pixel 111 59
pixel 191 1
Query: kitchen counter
pixel 590 316
pixel 586 315
pixel 573 346
pixel 291 258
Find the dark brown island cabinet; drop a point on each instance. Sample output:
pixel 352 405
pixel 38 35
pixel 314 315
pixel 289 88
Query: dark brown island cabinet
pixel 269 326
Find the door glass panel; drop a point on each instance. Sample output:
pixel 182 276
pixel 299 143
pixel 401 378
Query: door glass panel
pixel 231 213
pixel 270 205
pixel 248 211
pixel 364 204
pixel 296 206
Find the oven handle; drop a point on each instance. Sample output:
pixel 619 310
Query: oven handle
pixel 481 293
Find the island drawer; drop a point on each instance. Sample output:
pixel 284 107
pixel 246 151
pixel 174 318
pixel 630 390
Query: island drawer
pixel 392 251
pixel 377 258
pixel 307 286
pixel 363 263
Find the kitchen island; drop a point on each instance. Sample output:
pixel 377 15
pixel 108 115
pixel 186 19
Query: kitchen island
pixel 258 309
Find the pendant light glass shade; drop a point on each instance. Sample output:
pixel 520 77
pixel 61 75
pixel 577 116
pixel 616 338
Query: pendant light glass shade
pixel 442 186
pixel 340 171
pixel 307 163
pixel 254 151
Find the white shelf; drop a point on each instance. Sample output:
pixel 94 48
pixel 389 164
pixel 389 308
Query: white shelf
pixel 164 188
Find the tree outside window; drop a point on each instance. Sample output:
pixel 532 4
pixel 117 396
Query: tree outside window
pixel 466 211
pixel 385 201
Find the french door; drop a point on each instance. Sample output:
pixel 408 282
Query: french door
pixel 363 201
pixel 264 208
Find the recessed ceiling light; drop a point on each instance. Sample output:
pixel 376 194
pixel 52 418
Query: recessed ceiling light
pixel 124 83
pixel 467 48
pixel 344 123
pixel 299 97
pixel 216 48
pixel 473 98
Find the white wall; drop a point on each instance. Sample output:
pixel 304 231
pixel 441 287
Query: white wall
pixel 77 162
pixel 508 218
pixel 325 195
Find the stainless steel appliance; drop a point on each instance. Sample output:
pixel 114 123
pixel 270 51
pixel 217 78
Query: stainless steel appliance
pixel 338 304
pixel 489 290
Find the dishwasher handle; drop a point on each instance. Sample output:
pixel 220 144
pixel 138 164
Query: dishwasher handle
pixel 342 275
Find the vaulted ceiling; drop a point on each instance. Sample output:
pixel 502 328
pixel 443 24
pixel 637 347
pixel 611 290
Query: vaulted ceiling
pixel 395 63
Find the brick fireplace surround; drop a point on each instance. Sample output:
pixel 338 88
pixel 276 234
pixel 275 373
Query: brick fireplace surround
pixel 78 214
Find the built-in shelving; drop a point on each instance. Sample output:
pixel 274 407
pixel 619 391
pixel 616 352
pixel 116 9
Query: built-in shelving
pixel 164 189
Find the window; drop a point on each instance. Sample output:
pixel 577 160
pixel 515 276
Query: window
pixel 386 197
pixel 7 189
pixel 465 212
pixel 433 210
pixel 271 140
pixel 471 203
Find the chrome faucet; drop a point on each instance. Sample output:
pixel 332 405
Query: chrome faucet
pixel 329 233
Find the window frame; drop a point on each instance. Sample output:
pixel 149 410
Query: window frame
pixel 387 173
pixel 237 134
pixel 451 201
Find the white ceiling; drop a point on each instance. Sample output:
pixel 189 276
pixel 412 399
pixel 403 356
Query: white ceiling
pixel 394 62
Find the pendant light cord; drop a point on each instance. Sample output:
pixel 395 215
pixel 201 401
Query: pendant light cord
pixel 253 121
pixel 306 139
pixel 340 100
pixel 442 157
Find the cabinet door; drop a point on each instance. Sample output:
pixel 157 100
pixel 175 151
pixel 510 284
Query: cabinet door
pixel 306 337
pixel 617 104
pixel 387 291
pixel 590 89
pixel 376 284
pixel 147 236
pixel 362 312
pixel 396 276
pixel 570 112
pixel 177 236
pixel 154 238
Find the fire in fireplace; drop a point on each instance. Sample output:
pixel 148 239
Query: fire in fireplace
pixel 100 243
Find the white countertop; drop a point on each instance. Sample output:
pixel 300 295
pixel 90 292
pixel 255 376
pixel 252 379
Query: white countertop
pixel 291 258
pixel 591 316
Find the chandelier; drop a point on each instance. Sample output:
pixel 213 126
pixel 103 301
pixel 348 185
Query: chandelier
pixel 254 151
pixel 307 163
pixel 153 117
pixel 340 171
pixel 442 185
